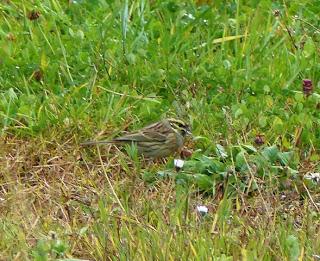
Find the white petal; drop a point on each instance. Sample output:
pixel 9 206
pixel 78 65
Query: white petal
pixel 202 209
pixel 178 163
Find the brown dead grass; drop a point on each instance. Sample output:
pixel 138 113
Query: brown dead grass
pixel 46 186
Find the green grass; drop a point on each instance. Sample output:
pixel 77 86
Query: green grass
pixel 91 69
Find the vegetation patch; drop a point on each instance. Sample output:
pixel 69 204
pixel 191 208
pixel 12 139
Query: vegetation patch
pixel 244 75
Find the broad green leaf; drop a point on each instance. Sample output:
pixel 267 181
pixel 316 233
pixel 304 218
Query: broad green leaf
pixel 204 182
pixel 271 153
pixel 249 148
pixel 221 152
pixel 263 121
pixel 277 125
pixel 241 159
pixel 285 157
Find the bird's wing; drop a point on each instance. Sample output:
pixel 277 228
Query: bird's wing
pixel 145 136
pixel 154 132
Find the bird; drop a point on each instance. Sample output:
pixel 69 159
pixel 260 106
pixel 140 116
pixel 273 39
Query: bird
pixel 157 140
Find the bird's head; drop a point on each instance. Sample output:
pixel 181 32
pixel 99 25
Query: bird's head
pixel 180 126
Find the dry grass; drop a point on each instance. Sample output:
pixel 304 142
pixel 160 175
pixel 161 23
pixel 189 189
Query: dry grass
pixel 47 186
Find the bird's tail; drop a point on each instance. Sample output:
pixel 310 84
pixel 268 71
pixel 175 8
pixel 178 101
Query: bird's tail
pixel 95 142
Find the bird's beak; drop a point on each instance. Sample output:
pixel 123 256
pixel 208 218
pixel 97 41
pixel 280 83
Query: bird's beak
pixel 188 132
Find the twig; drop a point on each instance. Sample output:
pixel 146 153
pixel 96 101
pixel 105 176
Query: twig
pixel 311 25
pixel 109 182
pixel 311 199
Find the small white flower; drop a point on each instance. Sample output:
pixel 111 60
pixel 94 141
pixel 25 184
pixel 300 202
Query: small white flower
pixel 178 163
pixel 202 210
pixel 283 196
pixel 313 176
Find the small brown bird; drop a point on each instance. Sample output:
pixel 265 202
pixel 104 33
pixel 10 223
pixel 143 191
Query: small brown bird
pixel 157 140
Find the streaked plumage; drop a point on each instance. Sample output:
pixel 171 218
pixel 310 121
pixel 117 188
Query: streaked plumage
pixel 157 140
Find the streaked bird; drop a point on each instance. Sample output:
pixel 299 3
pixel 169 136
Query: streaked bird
pixel 158 140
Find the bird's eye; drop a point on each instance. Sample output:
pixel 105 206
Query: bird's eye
pixel 182 125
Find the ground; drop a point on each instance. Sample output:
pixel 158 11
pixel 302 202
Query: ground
pixel 243 74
